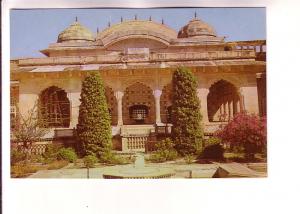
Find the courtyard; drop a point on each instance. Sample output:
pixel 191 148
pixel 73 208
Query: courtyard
pixel 182 170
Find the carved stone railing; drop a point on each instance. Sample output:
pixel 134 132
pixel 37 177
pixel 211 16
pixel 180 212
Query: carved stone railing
pixel 136 143
pixel 165 57
pixel 36 148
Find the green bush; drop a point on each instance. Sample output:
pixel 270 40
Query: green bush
pixel 165 151
pixel 51 152
pixel 94 122
pixel 90 161
pixel 212 141
pixel 17 156
pixel 187 131
pixel 213 149
pixel 110 158
pixel 67 154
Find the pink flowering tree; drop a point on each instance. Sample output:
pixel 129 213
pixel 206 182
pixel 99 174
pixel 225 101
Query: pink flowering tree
pixel 246 131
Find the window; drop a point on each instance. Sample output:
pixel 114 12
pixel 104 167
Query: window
pixel 54 107
pixel 138 112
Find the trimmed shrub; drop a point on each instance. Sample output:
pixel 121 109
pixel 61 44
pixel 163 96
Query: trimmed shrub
pixel 165 151
pixel 110 158
pixel 247 131
pixel 67 154
pixel 212 149
pixel 215 151
pixel 187 131
pixel 90 161
pixel 51 152
pixel 94 129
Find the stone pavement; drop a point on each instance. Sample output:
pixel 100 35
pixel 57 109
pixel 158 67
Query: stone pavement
pixel 182 171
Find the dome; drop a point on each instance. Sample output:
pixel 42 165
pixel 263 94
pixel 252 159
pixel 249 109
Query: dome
pixel 196 28
pixel 137 29
pixel 75 32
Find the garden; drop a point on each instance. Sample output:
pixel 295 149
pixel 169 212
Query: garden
pixel 243 139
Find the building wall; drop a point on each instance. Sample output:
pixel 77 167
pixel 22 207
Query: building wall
pixel 138 87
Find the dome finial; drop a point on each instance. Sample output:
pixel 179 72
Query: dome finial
pixel 135 17
pixel 121 18
pixel 150 18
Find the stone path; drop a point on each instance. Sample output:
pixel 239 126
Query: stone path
pixel 182 171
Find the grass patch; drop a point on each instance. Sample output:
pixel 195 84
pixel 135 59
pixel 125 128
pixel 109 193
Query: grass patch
pixel 23 170
pixel 57 164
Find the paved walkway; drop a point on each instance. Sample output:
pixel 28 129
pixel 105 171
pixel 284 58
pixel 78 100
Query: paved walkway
pixel 182 171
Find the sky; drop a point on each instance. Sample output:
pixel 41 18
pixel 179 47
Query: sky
pixel 32 30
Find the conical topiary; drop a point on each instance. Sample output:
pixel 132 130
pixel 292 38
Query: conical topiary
pixel 94 123
pixel 187 132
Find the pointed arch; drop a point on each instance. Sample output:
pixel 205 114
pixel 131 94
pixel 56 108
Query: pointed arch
pixel 138 104
pixel 223 101
pixel 54 107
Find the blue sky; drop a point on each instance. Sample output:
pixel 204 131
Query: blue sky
pixel 33 30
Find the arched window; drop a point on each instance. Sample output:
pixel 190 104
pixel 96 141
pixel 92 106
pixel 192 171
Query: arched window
pixel 138 105
pixel 54 107
pixel 138 113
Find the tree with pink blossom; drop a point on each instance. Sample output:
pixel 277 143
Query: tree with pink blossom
pixel 247 131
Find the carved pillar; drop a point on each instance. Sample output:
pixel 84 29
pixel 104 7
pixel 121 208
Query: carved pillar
pixel 226 110
pixel 249 99
pixel 202 96
pixel 119 96
pixel 157 93
pixel 231 109
pixel 74 99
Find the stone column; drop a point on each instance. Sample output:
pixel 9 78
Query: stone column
pixel 119 96
pixel 74 98
pixel 157 93
pixel 249 99
pixel 202 96
pixel 231 109
pixel 226 110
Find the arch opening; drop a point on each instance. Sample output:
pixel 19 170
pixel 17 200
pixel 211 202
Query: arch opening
pixel 138 105
pixel 223 101
pixel 54 108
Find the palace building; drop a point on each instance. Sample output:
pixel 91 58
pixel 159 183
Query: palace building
pixel 136 59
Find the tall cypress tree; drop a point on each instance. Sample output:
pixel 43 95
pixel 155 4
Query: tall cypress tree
pixel 94 129
pixel 187 132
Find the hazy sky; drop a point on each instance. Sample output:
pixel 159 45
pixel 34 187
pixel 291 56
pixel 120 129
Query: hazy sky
pixel 34 30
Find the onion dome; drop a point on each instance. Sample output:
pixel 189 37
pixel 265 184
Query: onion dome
pixel 76 33
pixel 196 28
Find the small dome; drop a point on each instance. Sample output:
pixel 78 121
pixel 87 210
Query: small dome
pixel 76 32
pixel 196 28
